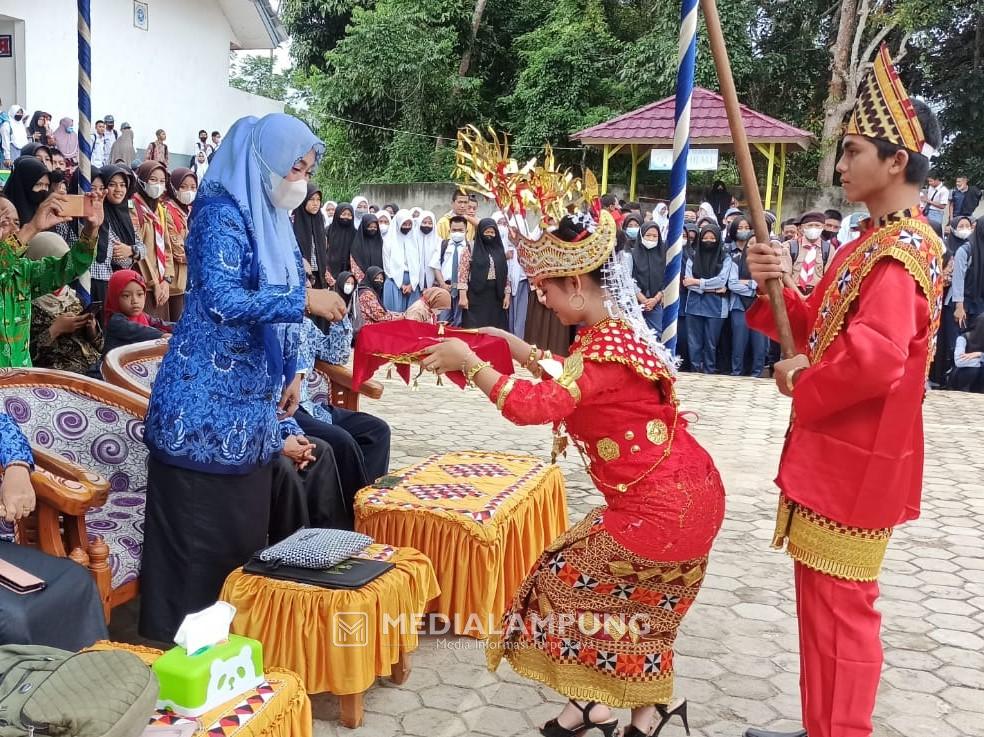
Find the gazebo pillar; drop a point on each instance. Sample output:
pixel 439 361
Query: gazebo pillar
pixel 604 169
pixel 782 181
pixel 633 178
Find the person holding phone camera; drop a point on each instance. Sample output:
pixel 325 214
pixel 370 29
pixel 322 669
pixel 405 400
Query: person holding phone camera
pixel 22 279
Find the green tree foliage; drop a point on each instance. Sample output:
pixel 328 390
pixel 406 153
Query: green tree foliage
pixel 252 73
pixel 545 70
pixel 948 69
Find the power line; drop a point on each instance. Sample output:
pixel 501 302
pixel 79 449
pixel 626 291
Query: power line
pixel 432 137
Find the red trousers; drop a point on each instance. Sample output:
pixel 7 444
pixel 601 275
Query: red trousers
pixel 840 653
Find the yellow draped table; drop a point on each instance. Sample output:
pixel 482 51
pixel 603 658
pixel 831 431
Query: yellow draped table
pixel 338 640
pixel 279 707
pixel 482 518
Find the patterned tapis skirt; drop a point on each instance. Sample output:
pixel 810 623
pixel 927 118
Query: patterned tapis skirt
pixel 597 622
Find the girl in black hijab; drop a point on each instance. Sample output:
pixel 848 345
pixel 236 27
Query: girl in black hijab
pixel 719 199
pixel 648 269
pixel 707 306
pixel 40 151
pixel 309 229
pixel 368 247
pixel 487 278
pixel 27 186
pixel 117 229
pixel 38 129
pixel 341 236
pixel 346 285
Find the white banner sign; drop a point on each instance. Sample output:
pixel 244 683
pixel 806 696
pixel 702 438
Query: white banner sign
pixel 699 159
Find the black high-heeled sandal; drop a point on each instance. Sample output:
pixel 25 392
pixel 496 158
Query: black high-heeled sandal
pixel 553 728
pixel 665 714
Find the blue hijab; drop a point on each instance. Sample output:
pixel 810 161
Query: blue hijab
pixel 253 150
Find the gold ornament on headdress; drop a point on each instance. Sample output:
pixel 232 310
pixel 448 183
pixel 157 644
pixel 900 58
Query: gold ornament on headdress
pixel 485 167
pixel 884 110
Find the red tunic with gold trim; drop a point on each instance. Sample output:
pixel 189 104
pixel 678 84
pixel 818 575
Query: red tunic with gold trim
pixel 854 454
pixel 626 575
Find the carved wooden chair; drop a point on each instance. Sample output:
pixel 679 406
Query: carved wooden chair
pixel 91 477
pixel 135 366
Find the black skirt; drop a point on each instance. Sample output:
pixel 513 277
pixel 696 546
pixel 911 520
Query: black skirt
pixel 484 307
pixel 40 618
pixel 199 527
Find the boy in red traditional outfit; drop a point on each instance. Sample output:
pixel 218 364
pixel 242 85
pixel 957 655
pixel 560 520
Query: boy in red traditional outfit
pixel 852 466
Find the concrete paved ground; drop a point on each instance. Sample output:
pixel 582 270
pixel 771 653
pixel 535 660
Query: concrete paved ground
pixel 737 651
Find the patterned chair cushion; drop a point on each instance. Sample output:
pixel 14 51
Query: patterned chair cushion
pixel 143 372
pixel 103 439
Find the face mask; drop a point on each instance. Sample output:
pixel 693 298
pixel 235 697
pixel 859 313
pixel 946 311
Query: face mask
pixel 426 229
pixel 18 117
pixel 458 237
pixel 71 129
pixel 38 197
pixel 963 233
pixel 828 234
pixel 743 235
pixel 632 232
pixel 812 233
pixel 383 228
pixel 650 242
pixel 348 288
pixel 186 197
pixel 287 195
pixel 153 190
pixel 406 230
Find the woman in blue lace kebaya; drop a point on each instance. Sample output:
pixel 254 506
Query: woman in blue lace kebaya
pixel 212 425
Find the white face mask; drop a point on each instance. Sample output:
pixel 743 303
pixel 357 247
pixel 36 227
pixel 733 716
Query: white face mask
pixel 963 233
pixel 286 195
pixel 384 228
pixel 187 196
pixel 650 243
pixel 153 190
pixel 812 233
pixel 458 237
pixel 349 288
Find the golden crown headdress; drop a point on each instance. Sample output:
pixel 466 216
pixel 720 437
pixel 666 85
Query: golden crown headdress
pixel 884 110
pixel 484 166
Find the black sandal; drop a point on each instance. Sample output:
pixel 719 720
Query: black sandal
pixel 665 714
pixel 553 728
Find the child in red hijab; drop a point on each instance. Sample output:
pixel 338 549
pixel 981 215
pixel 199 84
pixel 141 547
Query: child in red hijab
pixel 124 316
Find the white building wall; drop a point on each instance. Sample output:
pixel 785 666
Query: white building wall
pixel 173 76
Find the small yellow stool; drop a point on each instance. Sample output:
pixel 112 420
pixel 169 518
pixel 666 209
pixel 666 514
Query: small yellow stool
pixel 482 518
pixel 338 640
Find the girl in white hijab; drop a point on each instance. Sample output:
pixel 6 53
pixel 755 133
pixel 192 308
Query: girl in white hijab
pixel 426 229
pixel 661 216
pixel 360 208
pixel 705 211
pixel 14 133
pixel 401 262
pixel 328 211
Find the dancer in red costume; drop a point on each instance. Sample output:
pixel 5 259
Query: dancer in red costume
pixel 852 466
pixel 597 617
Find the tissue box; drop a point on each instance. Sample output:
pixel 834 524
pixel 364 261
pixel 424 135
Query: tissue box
pixel 194 684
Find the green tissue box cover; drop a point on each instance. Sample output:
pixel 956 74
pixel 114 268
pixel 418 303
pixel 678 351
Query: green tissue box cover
pixel 192 685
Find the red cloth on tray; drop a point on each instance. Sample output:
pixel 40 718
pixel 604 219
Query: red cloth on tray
pixel 403 342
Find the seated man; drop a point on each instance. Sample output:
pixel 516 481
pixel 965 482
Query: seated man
pixel 38 618
pixel 360 442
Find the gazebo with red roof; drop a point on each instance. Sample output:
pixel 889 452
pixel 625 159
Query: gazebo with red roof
pixel 652 127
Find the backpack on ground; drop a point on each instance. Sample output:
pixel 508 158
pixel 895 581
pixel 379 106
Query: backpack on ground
pixel 47 691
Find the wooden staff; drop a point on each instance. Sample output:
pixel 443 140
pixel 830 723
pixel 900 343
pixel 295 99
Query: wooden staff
pixel 773 287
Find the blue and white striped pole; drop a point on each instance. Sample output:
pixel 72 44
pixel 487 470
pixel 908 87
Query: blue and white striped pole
pixel 85 97
pixel 687 49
